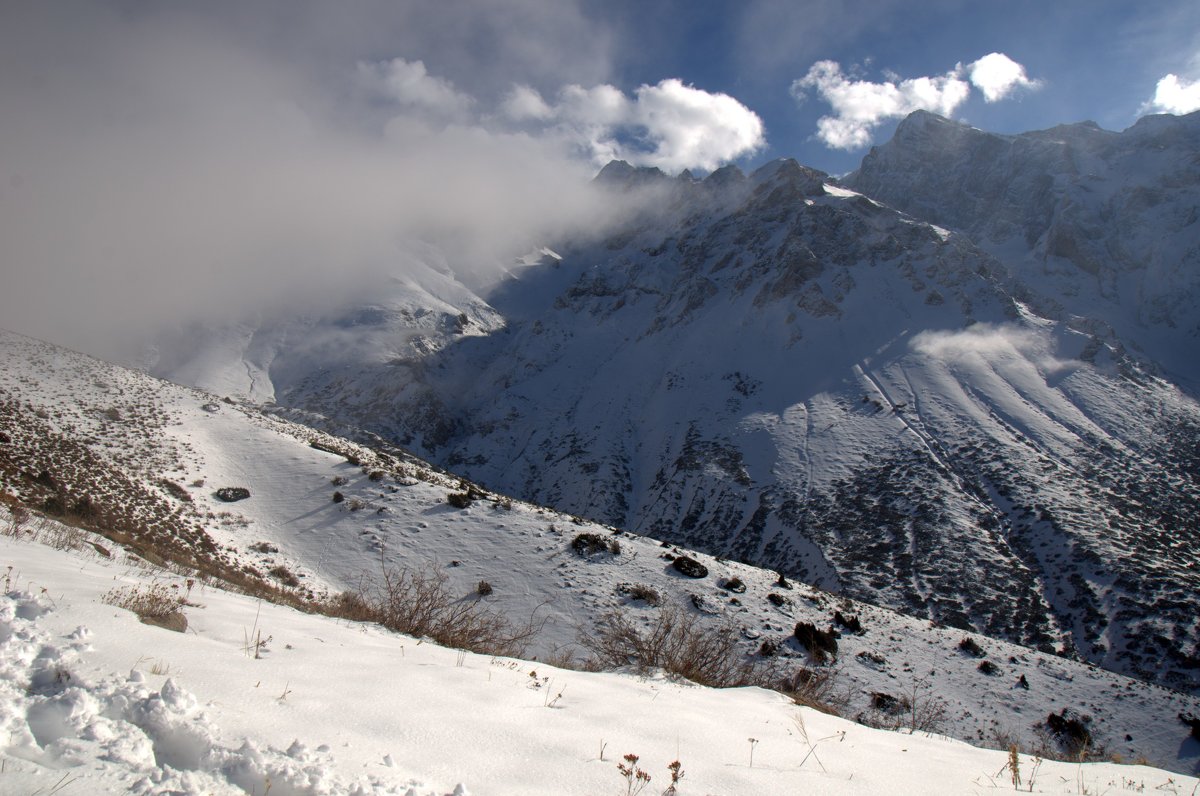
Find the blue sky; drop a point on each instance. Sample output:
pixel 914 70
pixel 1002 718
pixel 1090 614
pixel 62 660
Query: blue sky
pixel 436 64
pixel 1090 59
pixel 1098 60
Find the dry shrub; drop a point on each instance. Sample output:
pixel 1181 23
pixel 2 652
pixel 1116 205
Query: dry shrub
pixel 61 536
pixel 421 604
pixel 18 520
pixel 284 576
pixel 640 591
pixel 459 500
pixel 677 643
pixel 588 544
pixel 820 689
pixel 156 601
pixel 917 709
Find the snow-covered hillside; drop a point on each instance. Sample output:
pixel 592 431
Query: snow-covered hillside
pixel 144 460
pixel 778 370
pixel 92 701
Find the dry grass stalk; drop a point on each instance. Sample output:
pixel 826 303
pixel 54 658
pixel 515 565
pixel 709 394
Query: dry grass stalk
pixel 421 604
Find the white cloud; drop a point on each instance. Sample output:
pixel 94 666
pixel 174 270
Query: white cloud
pixel 524 102
pixel 997 76
pixel 859 106
pixel 602 106
pixel 408 84
pixel 693 128
pixel 670 125
pixel 1175 95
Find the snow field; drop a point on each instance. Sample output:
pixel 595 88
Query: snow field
pixel 95 698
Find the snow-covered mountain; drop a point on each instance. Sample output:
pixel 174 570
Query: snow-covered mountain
pixel 1102 225
pixel 779 370
pixel 145 461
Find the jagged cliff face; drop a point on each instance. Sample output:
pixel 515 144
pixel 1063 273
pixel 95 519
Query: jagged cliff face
pixel 1105 224
pixel 777 369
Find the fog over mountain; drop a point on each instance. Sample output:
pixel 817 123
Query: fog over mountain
pixel 163 165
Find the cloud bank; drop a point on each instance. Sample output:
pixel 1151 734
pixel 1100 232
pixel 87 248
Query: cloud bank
pixel 159 164
pixel 860 106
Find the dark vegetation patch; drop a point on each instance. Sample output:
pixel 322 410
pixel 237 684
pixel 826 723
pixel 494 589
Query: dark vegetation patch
pixel 971 647
pixel 640 591
pixel 284 576
pixel 176 491
pixel 1071 731
pixel 588 544
pixel 850 623
pixel 459 500
pixel 819 643
pixel 734 585
pixel 689 567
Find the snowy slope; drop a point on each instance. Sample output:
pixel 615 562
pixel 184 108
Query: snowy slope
pixel 94 701
pixel 120 437
pixel 781 371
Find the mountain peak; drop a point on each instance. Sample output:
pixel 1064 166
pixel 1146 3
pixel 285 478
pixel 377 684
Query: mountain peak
pixel 810 182
pixel 924 125
pixel 620 174
pixel 726 175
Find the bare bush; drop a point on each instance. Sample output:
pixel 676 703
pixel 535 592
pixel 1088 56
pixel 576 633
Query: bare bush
pixel 588 544
pixel 18 519
pixel 640 591
pixel 284 576
pixel 61 536
pixel 820 689
pixel 421 604
pixel 459 500
pixel 155 604
pixel 917 709
pixel 677 643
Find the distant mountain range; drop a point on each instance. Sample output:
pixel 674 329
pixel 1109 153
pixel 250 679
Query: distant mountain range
pixel 960 382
